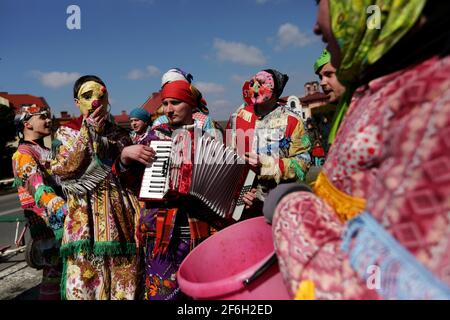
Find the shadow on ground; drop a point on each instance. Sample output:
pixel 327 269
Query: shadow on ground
pixel 30 294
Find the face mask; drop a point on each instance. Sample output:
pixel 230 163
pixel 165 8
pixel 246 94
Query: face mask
pixel 91 95
pixel 261 87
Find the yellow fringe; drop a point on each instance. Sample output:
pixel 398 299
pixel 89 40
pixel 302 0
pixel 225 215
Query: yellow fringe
pixel 345 206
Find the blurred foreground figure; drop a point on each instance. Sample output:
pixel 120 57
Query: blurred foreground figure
pixel 377 224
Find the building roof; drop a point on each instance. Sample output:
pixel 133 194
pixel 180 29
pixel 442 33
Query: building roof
pixel 17 100
pixel 153 103
pixel 317 96
pixel 122 118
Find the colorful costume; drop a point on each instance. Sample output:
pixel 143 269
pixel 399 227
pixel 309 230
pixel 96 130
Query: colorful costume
pixel 170 229
pixel 201 114
pixel 44 209
pixel 98 245
pixel 387 160
pixel 279 138
pixel 202 121
pixel 138 138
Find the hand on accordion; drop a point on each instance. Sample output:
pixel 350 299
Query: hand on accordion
pixel 249 198
pixel 140 153
pixel 253 160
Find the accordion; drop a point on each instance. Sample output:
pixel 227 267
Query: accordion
pixel 213 174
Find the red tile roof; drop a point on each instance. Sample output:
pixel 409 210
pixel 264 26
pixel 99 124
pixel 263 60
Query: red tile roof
pixel 122 118
pixel 283 100
pixel 153 103
pixel 318 96
pixel 17 100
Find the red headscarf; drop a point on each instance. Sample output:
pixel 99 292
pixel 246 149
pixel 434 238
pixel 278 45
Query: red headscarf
pixel 183 91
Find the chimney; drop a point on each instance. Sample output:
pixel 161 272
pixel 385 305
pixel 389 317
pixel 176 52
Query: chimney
pixel 315 87
pixel 307 89
pixel 311 88
pixel 64 115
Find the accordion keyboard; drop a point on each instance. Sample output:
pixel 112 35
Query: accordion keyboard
pixel 155 182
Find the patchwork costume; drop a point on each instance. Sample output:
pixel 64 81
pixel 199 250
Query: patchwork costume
pixel 279 137
pixel 44 208
pixel 42 201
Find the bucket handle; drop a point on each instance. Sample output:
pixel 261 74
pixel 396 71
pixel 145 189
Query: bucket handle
pixel 269 262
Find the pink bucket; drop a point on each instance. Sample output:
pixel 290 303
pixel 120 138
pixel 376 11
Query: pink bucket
pixel 218 267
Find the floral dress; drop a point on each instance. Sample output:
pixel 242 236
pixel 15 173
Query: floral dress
pixel 98 244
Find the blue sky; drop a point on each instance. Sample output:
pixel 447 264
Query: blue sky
pixel 131 43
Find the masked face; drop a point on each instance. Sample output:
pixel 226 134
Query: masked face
pixel 91 96
pixel 262 86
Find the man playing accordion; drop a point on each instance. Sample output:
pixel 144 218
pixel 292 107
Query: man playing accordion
pixel 169 229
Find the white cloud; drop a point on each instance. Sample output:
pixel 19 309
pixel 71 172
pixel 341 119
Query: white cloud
pixel 138 74
pixel 239 53
pixel 209 87
pixel 239 79
pixel 56 79
pixel 221 104
pixel 222 109
pixel 153 71
pixel 262 1
pixel 290 35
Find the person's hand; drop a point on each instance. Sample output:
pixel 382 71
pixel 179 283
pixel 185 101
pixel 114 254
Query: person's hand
pixel 98 117
pixel 249 198
pixel 253 160
pixel 139 153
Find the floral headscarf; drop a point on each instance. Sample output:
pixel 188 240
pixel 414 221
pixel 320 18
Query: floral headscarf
pixel 361 43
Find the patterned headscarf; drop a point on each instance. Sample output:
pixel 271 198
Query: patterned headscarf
pixel 26 112
pixel 362 44
pixel 182 91
pixel 176 74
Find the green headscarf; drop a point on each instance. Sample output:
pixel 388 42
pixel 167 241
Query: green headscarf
pixel 362 46
pixel 324 58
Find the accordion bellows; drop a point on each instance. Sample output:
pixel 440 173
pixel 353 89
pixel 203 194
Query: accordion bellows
pixel 213 174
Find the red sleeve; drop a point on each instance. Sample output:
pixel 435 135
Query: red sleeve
pixel 130 177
